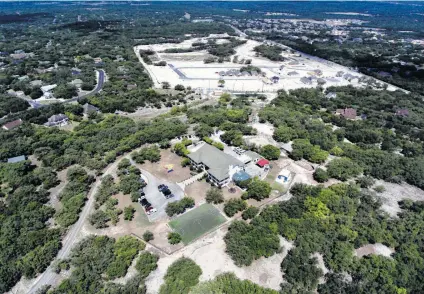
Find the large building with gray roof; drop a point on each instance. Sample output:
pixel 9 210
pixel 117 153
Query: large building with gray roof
pixel 220 166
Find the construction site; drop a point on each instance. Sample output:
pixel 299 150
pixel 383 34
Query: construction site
pixel 245 71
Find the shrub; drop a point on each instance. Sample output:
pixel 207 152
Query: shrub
pixel 179 207
pixel 343 169
pixel 185 162
pixel 148 236
pixel 250 212
pixel 320 175
pixel 379 189
pixel 146 263
pixel 180 277
pixel 174 238
pixel 215 196
pixel 233 206
pixel 129 212
pixel 365 181
pixel 270 152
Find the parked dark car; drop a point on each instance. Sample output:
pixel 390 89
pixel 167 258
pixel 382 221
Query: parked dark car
pixel 169 196
pixel 166 192
pixel 145 203
pixel 162 187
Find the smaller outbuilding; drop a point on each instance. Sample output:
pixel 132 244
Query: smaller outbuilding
pixel 13 124
pixel 262 163
pixel 16 159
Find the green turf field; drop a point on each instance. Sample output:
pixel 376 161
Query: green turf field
pixel 197 222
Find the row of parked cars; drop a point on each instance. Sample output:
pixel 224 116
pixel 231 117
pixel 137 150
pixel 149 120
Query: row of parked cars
pixel 147 205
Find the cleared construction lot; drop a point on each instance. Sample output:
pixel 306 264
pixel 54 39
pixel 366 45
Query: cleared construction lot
pixel 296 71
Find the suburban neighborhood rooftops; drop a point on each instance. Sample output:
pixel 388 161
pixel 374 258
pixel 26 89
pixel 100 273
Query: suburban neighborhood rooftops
pixel 16 159
pixel 215 160
pixel 12 124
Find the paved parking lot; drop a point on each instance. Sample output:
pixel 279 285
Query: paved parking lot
pixel 156 198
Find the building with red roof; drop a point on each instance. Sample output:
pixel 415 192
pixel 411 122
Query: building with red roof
pixel 13 124
pixel 262 162
pixel 348 113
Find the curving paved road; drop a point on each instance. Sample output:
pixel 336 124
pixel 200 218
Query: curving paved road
pixel 99 86
pixel 48 276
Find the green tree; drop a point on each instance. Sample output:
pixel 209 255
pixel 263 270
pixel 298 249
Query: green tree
pixel 343 169
pixel 146 263
pixel 174 238
pixel 320 175
pixel 250 212
pixel 270 152
pixel 284 134
pixel 180 277
pixel 233 206
pixel 258 190
pixel 214 195
pixel 148 236
pixel 129 212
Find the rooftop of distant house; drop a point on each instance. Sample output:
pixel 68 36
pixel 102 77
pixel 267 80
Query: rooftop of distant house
pixel 402 112
pixel 349 113
pixel 16 159
pixel 13 124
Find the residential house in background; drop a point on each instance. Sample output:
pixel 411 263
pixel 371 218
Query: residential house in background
pixel 88 108
pixel 331 95
pixel 219 166
pixel 13 124
pixel 402 112
pixel 348 113
pixel 16 159
pixel 57 120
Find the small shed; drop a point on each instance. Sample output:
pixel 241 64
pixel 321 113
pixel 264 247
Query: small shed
pixel 16 159
pixel 262 162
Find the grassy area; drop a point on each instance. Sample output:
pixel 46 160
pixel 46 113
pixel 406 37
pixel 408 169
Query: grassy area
pixel 277 186
pixel 197 222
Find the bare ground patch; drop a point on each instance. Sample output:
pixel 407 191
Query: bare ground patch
pixel 396 192
pixel 197 191
pixel 376 249
pixel 209 253
pixel 159 169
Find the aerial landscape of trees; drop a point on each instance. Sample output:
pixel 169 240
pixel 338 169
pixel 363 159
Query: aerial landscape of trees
pixel 322 226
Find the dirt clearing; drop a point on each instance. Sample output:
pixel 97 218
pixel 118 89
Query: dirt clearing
pixel 209 253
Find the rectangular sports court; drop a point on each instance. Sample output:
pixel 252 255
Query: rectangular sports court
pixel 197 222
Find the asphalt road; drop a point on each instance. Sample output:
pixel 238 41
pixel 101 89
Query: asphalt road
pixel 48 276
pixel 99 86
